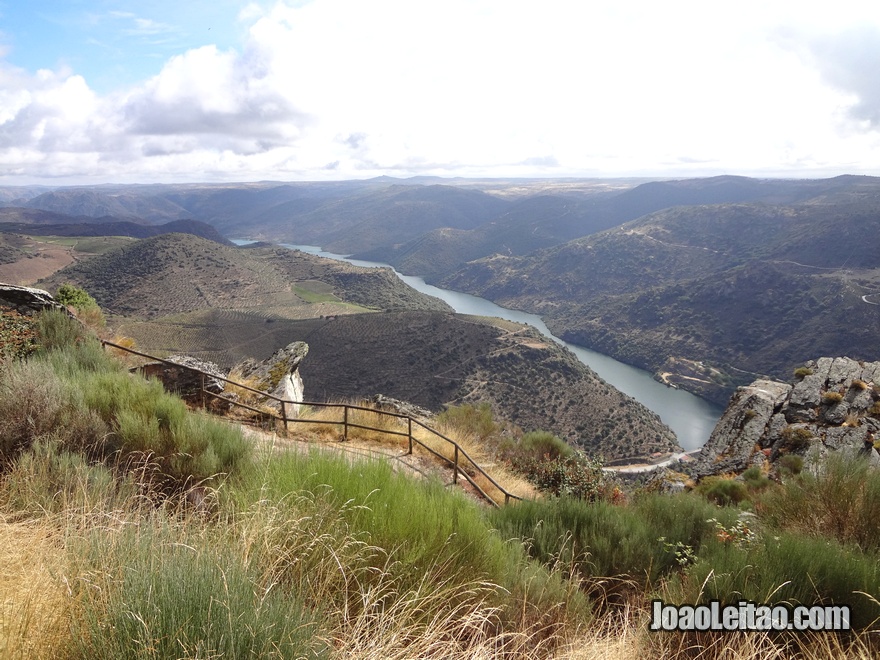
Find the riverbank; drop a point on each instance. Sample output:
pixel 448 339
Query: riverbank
pixel 691 418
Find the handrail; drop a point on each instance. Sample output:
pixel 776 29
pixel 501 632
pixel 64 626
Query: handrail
pixel 453 463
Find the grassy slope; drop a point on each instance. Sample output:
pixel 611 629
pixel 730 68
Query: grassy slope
pixel 310 556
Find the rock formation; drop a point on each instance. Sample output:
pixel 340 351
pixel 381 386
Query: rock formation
pixel 279 375
pixel 184 377
pixel 26 300
pixel 833 405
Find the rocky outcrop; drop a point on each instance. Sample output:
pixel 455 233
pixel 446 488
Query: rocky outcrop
pixel 26 300
pixel 279 375
pixel 181 374
pixel 833 405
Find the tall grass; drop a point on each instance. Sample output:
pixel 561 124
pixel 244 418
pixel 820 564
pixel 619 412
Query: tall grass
pixel 76 397
pixel 840 502
pixel 169 590
pixel 617 550
pixel 418 529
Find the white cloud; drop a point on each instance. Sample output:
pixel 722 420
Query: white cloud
pixel 351 88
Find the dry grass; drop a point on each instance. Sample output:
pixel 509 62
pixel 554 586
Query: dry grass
pixel 33 599
pixel 624 635
pixel 383 428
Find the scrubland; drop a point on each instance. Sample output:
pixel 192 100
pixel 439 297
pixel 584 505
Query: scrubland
pixel 132 527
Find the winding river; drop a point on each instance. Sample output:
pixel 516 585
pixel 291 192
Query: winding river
pixel 690 417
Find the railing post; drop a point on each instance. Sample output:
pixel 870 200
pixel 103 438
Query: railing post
pixel 345 423
pixel 204 400
pixel 409 432
pixel 284 413
pixel 455 467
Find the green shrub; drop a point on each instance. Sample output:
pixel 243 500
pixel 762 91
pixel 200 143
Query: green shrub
pixel 86 307
pixel 802 372
pixel 792 463
pixel 840 503
pixel 71 295
pixel 575 475
pixel 542 444
pixel 415 528
pixel 722 491
pixel 756 480
pixel 615 548
pixel 165 592
pixel 796 438
pixel 82 400
pixel 56 329
pixel 784 568
pixel 32 400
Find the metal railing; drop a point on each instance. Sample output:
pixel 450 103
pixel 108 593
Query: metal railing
pixel 460 463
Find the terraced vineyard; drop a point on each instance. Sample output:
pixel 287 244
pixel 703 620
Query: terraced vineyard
pixel 181 273
pixel 431 359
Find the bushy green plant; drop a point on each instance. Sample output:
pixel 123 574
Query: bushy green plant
pixel 74 296
pixel 545 444
pixel 414 528
pixel 162 592
pixel 614 547
pixel 31 404
pixel 55 329
pixel 722 491
pixel 792 463
pixel 840 502
pixel 575 475
pixel 82 400
pixel 784 567
pixel 796 438
pixel 802 372
pixel 756 480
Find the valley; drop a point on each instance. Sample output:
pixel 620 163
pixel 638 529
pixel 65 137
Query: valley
pixel 706 283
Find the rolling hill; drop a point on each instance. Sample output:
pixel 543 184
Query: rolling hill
pixel 752 287
pixel 178 273
pixel 431 359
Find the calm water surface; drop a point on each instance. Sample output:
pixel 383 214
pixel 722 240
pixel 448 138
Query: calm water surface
pixel 691 417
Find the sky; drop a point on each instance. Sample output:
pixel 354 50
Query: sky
pixel 99 91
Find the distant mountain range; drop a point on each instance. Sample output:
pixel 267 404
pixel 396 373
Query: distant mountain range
pixel 705 281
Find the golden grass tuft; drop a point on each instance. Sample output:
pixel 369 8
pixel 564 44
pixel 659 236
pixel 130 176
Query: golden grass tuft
pixel 33 598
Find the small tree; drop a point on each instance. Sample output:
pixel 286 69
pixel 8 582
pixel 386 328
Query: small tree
pixel 86 307
pixel 73 296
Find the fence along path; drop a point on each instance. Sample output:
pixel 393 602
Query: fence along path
pixel 457 463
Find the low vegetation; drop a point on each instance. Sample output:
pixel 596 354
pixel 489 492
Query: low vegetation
pixel 131 527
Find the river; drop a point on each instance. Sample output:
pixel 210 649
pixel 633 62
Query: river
pixel 690 417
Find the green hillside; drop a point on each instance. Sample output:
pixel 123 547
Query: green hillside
pixel 749 287
pixel 181 273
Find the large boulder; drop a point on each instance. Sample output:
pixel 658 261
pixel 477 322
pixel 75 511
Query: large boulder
pixel 279 375
pixel 26 300
pixel 183 375
pixel 738 434
pixel 834 406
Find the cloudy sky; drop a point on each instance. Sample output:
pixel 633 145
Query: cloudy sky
pixel 98 91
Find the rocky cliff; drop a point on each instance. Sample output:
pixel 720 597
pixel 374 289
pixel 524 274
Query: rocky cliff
pixel 832 405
